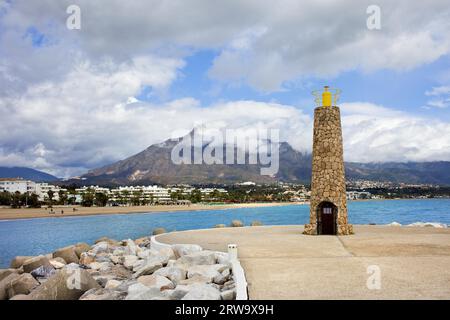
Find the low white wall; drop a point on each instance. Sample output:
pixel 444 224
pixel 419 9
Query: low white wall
pixel 239 280
pixel 155 244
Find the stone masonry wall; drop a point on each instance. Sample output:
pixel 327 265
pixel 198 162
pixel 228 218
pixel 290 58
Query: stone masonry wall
pixel 328 173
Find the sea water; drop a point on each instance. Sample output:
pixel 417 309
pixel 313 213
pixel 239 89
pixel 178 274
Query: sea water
pixel 44 235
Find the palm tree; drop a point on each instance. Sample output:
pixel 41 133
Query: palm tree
pixel 124 197
pixel 34 201
pixel 72 196
pixel 196 196
pixel 101 199
pixel 151 198
pixel 62 197
pixel 87 198
pixel 15 200
pixel 137 195
pixel 50 194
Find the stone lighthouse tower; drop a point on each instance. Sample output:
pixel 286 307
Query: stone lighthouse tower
pixel 328 209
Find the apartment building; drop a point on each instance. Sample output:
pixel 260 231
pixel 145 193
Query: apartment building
pixel 13 185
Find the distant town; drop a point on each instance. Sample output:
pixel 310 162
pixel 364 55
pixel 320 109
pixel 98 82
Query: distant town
pixel 18 193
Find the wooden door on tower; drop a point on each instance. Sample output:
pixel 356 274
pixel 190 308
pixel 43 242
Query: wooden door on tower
pixel 328 219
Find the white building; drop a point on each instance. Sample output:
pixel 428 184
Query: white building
pixel 357 195
pixel 247 183
pixel 298 195
pixel 206 192
pixel 146 193
pixel 94 189
pixel 13 185
pixel 42 190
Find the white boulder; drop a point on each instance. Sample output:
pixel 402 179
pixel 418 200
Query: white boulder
pixel 174 274
pixel 202 292
pixel 428 224
pixel 129 261
pixel 100 247
pixel 205 257
pixel 138 264
pixel 138 291
pixel 131 248
pixel 56 264
pixel 149 266
pixel 435 225
pixel 207 271
pixel 116 259
pixel 112 284
pixel 184 249
pixel 228 294
pixel 178 293
pixel 119 251
pixel 100 266
pixel 223 258
pixel 146 253
pixel 222 277
pixel 160 282
pixel 167 253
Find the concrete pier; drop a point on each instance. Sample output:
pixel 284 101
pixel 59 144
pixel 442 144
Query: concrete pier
pixel 282 263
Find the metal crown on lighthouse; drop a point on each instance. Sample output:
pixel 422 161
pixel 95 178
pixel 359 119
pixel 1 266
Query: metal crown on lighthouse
pixel 328 209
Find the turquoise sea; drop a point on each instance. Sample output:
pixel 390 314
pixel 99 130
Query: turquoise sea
pixel 44 235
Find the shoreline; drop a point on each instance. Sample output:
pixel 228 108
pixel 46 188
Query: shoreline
pixel 396 199
pixel 7 214
pixel 37 213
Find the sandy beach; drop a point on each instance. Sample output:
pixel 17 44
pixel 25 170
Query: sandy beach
pixel 27 213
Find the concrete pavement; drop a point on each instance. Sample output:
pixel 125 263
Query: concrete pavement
pixel 282 263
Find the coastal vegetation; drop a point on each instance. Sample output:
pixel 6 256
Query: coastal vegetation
pixel 233 194
pixel 428 192
pixel 17 200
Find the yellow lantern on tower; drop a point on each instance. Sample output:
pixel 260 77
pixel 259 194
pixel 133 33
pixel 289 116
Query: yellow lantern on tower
pixel 326 98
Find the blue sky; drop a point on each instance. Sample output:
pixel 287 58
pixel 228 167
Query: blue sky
pixel 73 100
pixel 403 90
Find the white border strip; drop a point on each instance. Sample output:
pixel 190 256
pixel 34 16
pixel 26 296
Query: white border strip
pixel 238 272
pixel 155 244
pixel 239 280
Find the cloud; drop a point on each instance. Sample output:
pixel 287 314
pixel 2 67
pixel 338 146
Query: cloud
pixel 69 99
pixel 64 122
pixel 377 134
pixel 258 43
pixel 324 39
pixel 91 117
pixel 440 97
pixel 87 121
pixel 437 91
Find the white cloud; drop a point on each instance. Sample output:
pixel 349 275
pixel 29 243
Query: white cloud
pixel 66 128
pixel 259 43
pixel 440 97
pixel 323 39
pixel 70 104
pixel 378 134
pixel 437 91
pixel 86 120
pixel 71 123
pixel 442 103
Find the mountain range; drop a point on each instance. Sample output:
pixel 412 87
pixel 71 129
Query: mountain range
pixel 154 165
pixel 26 173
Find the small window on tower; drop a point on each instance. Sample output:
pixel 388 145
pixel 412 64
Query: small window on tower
pixel 327 210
